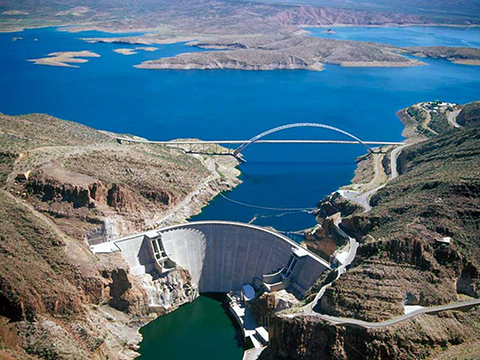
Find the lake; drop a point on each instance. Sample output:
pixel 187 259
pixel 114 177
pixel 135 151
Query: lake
pixel 410 35
pixel 109 93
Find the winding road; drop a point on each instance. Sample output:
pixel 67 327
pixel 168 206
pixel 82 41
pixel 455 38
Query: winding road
pixel 309 308
pixel 462 306
pixel 362 199
pixel 452 118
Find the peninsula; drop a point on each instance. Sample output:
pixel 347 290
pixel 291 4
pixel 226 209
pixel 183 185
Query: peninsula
pixel 269 52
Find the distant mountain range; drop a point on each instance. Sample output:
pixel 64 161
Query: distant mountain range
pixel 441 8
pixel 228 16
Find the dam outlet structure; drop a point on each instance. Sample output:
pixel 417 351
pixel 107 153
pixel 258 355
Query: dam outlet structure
pixel 234 258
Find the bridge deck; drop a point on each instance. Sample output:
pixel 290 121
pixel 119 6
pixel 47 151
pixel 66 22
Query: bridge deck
pixel 226 142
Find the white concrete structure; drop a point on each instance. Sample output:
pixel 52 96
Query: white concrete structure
pixel 445 240
pixel 220 255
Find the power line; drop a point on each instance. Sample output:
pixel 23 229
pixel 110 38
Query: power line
pixel 308 210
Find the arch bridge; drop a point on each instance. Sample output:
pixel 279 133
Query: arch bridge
pixel 242 144
pixel 297 125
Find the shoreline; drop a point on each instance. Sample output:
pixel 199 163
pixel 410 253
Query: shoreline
pixel 302 28
pixel 203 195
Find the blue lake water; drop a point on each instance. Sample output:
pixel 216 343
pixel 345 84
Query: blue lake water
pixel 109 93
pixel 405 36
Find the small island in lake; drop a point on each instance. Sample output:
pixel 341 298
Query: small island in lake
pixel 65 58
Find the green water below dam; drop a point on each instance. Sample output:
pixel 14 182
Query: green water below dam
pixel 203 329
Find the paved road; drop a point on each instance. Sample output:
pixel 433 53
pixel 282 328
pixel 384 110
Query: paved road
pixel 240 142
pixel 363 198
pixel 308 309
pixel 394 161
pixel 452 118
pixel 463 306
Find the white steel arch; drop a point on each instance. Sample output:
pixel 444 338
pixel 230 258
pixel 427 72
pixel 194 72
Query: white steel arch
pixel 295 125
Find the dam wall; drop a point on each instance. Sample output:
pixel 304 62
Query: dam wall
pixel 221 256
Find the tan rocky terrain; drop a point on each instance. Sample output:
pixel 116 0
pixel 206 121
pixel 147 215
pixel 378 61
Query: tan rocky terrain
pixel 400 261
pixel 282 52
pixel 257 51
pixel 457 55
pixel 65 58
pixel 64 184
pixel 204 16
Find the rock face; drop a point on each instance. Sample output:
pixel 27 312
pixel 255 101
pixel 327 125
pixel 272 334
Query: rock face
pixel 62 301
pixel 309 338
pixel 324 238
pixel 401 262
pixel 470 115
pixel 334 203
pixel 267 305
pixel 168 292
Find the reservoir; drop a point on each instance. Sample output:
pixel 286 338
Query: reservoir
pixel 109 93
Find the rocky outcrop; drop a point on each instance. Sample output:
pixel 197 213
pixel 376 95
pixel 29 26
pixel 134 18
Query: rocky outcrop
pixel 310 338
pixel 469 116
pixel 91 195
pixel 324 239
pixel 266 305
pixel 334 203
pixel 169 291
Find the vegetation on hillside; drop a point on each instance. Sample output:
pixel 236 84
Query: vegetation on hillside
pixel 61 182
pixel 470 115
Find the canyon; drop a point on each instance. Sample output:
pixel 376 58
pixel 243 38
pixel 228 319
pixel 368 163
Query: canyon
pixel 64 187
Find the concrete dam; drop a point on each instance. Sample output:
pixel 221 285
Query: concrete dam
pixel 221 256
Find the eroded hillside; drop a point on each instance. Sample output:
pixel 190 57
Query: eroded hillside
pixel 418 247
pixel 92 186
pixel 65 185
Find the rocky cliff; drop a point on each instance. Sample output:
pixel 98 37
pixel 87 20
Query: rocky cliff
pixel 65 185
pixel 418 246
pixel 304 337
